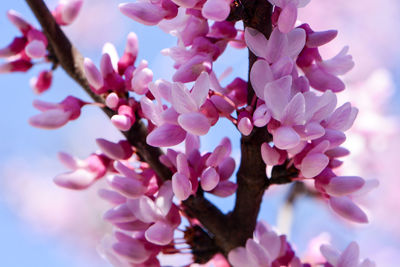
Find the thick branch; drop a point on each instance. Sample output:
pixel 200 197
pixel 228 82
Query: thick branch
pixel 251 177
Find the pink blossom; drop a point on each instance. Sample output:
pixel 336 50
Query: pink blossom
pixel 288 13
pixel 20 52
pixel 15 18
pixel 322 73
pixel 54 116
pixel 279 44
pixel 265 249
pixel 217 10
pixel 116 151
pixel 42 83
pixel 186 107
pixel 83 172
pixel 16 65
pixel 145 12
pixel 306 127
pixel 212 170
pixel 67 11
pixel 348 258
pixel 14 48
pixel 119 74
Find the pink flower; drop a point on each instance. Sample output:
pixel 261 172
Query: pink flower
pixel 322 74
pixel 14 48
pixel 147 12
pixel 340 190
pixel 279 44
pixel 21 51
pixel 214 169
pixel 116 151
pixel 350 257
pixel 67 11
pixel 217 10
pixel 124 119
pixel 54 116
pixel 186 115
pixel 265 249
pixel 42 83
pixel 16 65
pixel 83 172
pixel 130 53
pixel 15 18
pixel 119 74
pixel 288 13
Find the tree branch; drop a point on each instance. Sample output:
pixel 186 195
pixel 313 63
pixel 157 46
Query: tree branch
pixel 71 61
pixel 227 232
pixel 251 177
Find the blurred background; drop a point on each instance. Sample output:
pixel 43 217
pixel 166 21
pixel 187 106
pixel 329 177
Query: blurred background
pixel 43 225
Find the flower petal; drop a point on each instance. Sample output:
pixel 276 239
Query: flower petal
pixel 256 42
pixel 285 137
pixel 181 99
pixel 195 123
pixel 330 254
pixel 238 257
pixel 78 179
pixel 143 12
pixel 345 207
pixel 269 155
pixel 224 189
pixel 313 164
pixel 276 95
pixel 344 185
pixel 181 186
pixel 277 44
pixel 296 42
pixel 116 151
pixel 294 112
pixel 200 89
pixel 132 250
pixel 287 18
pixel 217 10
pixel 128 187
pixel 160 233
pixel 50 119
pixel 260 75
pixel 209 179
pixel 166 135
pixel 350 256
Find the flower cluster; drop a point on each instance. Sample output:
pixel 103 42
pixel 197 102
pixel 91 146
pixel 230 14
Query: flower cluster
pixel 266 249
pixel 26 50
pixel 306 126
pixel 118 76
pixel 291 95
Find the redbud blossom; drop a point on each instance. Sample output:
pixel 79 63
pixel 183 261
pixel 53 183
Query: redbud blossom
pixel 54 116
pixel 67 11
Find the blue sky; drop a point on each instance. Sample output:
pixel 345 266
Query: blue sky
pixel 22 244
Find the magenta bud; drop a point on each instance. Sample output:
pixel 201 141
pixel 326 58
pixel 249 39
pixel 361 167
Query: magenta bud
pixel 93 75
pixel 16 46
pixel 42 83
